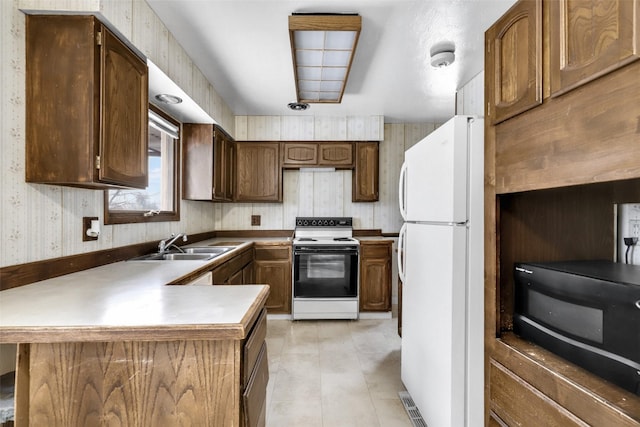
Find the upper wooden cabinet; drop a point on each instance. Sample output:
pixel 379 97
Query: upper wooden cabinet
pixel 224 164
pixel 365 174
pixel 258 172
pixel 320 154
pixel 86 105
pixel 296 154
pixel 591 38
pixel 207 158
pixel 548 172
pixel 339 155
pixel 513 60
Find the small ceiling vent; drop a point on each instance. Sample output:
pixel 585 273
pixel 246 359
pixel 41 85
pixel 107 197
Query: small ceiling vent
pixel 298 106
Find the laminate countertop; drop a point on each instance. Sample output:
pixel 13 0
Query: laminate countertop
pixel 130 300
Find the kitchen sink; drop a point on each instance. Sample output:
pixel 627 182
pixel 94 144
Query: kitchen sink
pixel 204 253
pixel 217 250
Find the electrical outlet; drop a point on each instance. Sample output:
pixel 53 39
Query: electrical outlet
pixel 255 219
pixel 634 227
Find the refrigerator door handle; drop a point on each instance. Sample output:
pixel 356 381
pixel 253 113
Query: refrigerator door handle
pixel 401 249
pixel 402 191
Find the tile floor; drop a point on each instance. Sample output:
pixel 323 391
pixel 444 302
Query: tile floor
pixel 334 373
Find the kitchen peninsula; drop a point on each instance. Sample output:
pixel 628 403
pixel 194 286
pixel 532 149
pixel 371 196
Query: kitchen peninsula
pixel 116 345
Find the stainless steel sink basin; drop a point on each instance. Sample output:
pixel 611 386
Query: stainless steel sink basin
pixel 217 250
pixel 204 253
pixel 187 257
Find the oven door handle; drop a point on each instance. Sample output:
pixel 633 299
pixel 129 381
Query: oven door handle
pixel 302 251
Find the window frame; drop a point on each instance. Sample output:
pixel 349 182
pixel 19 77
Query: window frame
pixel 133 217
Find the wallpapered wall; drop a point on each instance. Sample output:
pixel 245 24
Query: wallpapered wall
pixel 325 193
pixel 40 222
pixel 329 194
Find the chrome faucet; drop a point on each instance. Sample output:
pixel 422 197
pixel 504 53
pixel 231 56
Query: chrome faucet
pixel 166 244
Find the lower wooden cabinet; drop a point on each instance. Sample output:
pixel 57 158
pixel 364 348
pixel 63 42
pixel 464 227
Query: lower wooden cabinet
pixel 219 381
pixel 272 266
pixel 255 375
pixel 375 275
pixel 233 271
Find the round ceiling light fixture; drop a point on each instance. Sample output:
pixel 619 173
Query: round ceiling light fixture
pixel 298 106
pixel 443 54
pixel 166 98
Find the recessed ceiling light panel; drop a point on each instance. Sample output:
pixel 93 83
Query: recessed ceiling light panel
pixel 322 47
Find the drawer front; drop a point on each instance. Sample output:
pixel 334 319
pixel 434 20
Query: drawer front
pixel 252 346
pixel 254 398
pixel 516 402
pixel 375 250
pixel 271 253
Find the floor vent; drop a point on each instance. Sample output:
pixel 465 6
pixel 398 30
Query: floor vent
pixel 412 409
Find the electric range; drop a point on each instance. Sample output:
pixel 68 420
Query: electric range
pixel 325 269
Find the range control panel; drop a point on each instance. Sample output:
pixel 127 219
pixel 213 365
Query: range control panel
pixel 324 222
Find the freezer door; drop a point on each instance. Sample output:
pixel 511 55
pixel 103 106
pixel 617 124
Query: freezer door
pixel 433 182
pixel 433 321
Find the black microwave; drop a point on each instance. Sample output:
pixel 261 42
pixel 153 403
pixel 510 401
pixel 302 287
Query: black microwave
pixel 587 312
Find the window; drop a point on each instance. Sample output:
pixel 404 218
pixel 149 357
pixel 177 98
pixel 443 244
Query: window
pixel 160 200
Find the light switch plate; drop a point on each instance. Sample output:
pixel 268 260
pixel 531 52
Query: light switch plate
pixel 255 219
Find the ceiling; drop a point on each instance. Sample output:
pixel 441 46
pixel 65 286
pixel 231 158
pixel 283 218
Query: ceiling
pixel 243 49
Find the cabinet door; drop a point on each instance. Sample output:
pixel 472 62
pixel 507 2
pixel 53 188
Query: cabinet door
pixel 229 170
pixel 223 156
pixel 296 154
pixel 235 279
pixel 365 174
pixel 276 274
pixel 98 138
pixel 375 276
pixel 258 173
pixel 273 267
pixel 336 154
pixel 513 61
pixel 197 161
pixel 124 109
pixel 591 38
pixel 254 397
pixel 248 274
pixel 219 165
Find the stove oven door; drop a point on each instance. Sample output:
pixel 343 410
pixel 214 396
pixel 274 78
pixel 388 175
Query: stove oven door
pixel 325 272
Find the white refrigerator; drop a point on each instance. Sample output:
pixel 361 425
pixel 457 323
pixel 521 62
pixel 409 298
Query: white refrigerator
pixel 440 260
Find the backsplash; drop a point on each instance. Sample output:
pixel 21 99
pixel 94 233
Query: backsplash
pixel 326 193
